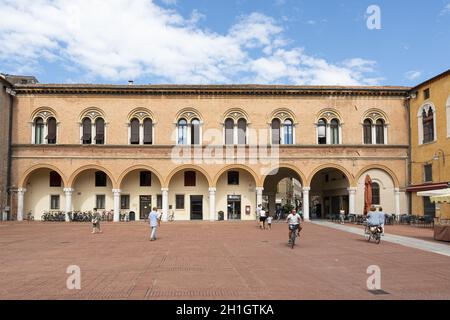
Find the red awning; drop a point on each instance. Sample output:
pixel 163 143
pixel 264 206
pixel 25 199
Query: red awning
pixel 427 187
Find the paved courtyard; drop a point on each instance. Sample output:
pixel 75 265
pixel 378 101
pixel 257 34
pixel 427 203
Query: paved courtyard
pixel 202 260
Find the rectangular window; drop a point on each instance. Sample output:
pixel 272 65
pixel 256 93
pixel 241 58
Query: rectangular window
pixel 179 201
pixel 233 178
pixel 429 208
pixel 100 179
pixel 426 94
pixel 100 201
pixel 125 201
pixel 159 201
pixel 55 179
pixel 54 202
pixel 145 179
pixel 189 179
pixel 428 173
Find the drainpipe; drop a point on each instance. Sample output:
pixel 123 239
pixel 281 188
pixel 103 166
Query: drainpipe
pixel 8 164
pixel 408 107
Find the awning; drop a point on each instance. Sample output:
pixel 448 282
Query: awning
pixel 437 196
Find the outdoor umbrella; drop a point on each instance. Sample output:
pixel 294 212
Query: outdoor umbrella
pixel 367 194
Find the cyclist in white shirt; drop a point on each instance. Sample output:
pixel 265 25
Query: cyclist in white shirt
pixel 293 219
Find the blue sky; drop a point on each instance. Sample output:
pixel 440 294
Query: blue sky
pixel 241 41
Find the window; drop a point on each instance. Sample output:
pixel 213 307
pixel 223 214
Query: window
pixel 429 208
pixel 288 132
pixel 426 94
pixel 134 138
pixel 51 134
pixel 242 131
pixel 322 131
pixel 100 201
pixel 428 125
pixel 179 201
pixel 367 127
pixel 54 202
pixel 159 201
pixel 379 131
pixel 233 178
pixel 38 131
pixel 182 131
pixel 195 132
pixel 145 179
pixel 125 201
pixel 428 173
pixel 276 134
pixel 334 131
pixel 189 179
pixel 375 193
pixel 86 138
pixel 229 131
pixel 99 131
pixel 55 179
pixel 148 131
pixel 100 179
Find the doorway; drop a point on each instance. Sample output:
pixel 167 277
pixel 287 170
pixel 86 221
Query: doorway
pixel 145 206
pixel 196 207
pixel 234 207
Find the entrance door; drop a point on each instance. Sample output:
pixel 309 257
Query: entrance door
pixel 196 207
pixel 234 207
pixel 145 206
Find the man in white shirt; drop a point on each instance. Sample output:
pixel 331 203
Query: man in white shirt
pixel 294 221
pixel 153 217
pixel 262 218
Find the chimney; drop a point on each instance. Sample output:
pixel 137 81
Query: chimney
pixel 130 82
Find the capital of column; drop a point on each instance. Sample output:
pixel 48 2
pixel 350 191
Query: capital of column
pixel 22 190
pixel 212 190
pixel 352 189
pixel 397 190
pixel 259 189
pixel 164 189
pixel 306 189
pixel 116 192
pixel 68 190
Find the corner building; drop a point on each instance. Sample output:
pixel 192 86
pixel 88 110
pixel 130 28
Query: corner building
pixel 123 148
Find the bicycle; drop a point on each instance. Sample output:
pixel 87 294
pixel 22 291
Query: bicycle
pixel 293 229
pixel 373 232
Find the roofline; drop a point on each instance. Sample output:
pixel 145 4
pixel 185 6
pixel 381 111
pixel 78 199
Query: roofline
pixel 441 75
pixel 3 78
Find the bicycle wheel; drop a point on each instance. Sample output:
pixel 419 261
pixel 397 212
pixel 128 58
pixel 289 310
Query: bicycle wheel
pixel 377 238
pixel 293 239
pixel 367 234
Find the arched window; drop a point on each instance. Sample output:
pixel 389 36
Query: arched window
pixel 51 133
pixel 334 131
pixel 375 193
pixel 288 132
pixel 195 131
pixel 242 131
pixel 148 131
pixel 367 131
pixel 182 131
pixel 38 131
pixel 276 134
pixel 134 137
pixel 99 131
pixel 87 131
pixel 379 131
pixel 229 131
pixel 428 125
pixel 322 131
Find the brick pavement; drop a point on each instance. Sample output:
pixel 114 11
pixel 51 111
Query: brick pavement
pixel 202 260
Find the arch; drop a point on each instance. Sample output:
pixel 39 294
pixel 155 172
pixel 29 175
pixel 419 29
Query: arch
pixel 92 113
pixel 426 106
pixel 75 174
pixel 141 114
pixel 379 167
pixel 236 114
pixel 138 167
pixel 375 114
pixel 237 166
pixel 186 167
pixel 23 180
pixel 303 179
pixel 188 114
pixel 329 114
pixel 350 178
pixel 44 113
pixel 283 114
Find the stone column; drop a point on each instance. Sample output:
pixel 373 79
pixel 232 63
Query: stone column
pixel 141 133
pixel 259 196
pixel 397 201
pixel 20 203
pixel 93 132
pixel 45 140
pixel 306 203
pixel 212 204
pixel 116 193
pixel 328 133
pixel 165 203
pixel 351 200
pixel 272 202
pixel 68 208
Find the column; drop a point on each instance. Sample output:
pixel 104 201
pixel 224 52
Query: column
pixel 45 141
pixel 93 132
pixel 397 201
pixel 212 204
pixel 259 196
pixel 141 133
pixel 272 202
pixel 306 203
pixel 235 134
pixel 68 208
pixel 20 202
pixel 116 193
pixel 374 134
pixel 351 200
pixel 328 138
pixel 165 203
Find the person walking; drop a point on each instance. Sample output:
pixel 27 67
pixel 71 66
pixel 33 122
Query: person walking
pixel 262 218
pixel 269 222
pixel 96 217
pixel 153 217
pixel 258 213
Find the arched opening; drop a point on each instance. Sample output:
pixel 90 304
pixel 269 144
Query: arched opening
pixel 276 131
pixel 367 131
pixel 334 131
pixel 134 136
pixel 242 131
pixel 182 132
pixel 148 131
pixel 86 137
pixel 99 131
pixel 288 132
pixel 195 132
pixel 92 189
pixel 39 131
pixel 329 194
pixel 229 131
pixel 322 131
pixel 379 131
pixel 51 133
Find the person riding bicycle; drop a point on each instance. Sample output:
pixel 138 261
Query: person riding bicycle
pixel 375 218
pixel 294 221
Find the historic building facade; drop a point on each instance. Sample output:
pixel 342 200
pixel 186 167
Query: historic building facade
pixel 430 143
pixel 206 152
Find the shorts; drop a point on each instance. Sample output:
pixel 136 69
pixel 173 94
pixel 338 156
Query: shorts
pixel 262 219
pixel 293 226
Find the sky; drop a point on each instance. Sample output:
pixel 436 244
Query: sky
pixel 298 42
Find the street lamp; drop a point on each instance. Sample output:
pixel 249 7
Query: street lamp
pixel 436 155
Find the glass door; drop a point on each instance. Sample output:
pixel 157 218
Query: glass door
pixel 234 207
pixel 196 207
pixel 145 206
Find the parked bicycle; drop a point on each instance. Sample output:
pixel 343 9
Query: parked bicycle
pixel 53 216
pixel 30 216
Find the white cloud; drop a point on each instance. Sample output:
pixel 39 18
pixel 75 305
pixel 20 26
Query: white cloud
pixel 413 75
pixel 120 40
pixel 446 10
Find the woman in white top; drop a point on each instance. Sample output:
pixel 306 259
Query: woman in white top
pixel 262 218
